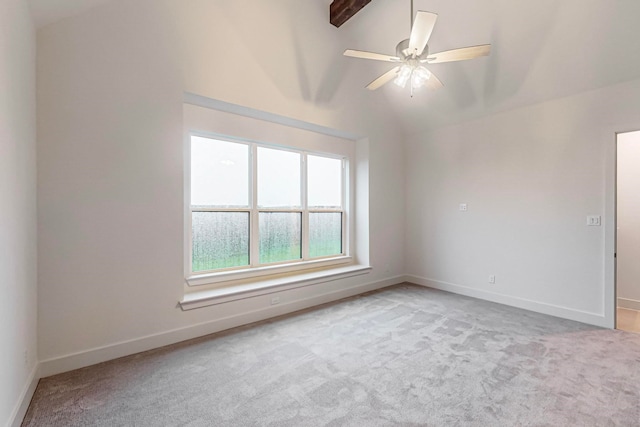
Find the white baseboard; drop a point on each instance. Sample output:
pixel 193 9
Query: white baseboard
pixel 539 307
pixel 70 362
pixel 15 420
pixel 632 304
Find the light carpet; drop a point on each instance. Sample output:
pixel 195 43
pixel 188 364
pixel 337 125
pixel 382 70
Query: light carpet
pixel 405 355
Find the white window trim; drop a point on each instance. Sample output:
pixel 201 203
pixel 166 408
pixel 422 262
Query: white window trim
pixel 230 277
pixel 267 285
pixel 227 276
pixel 248 124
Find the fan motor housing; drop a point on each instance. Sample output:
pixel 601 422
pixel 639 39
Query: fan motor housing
pixel 403 52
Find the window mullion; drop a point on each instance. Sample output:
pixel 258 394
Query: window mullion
pixel 343 186
pixel 219 209
pixel 254 251
pixel 187 200
pixel 305 207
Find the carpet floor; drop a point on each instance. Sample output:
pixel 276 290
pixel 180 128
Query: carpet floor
pixel 405 355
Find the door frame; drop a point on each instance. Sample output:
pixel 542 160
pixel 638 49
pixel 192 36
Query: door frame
pixel 610 217
pixel 611 230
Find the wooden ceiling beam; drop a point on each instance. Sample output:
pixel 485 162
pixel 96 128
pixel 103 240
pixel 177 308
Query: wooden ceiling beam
pixel 340 11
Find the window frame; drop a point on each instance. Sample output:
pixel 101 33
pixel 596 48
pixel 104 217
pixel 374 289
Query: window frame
pixel 256 269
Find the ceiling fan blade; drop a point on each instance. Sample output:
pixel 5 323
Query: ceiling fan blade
pixel 433 83
pixel 370 55
pixel 459 54
pixel 421 31
pixel 383 79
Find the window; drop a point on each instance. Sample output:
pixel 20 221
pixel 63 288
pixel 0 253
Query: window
pixel 255 207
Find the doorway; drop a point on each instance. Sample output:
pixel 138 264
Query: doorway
pixel 628 231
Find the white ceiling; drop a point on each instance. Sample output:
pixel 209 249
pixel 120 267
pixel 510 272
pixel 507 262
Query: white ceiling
pixel 45 12
pixel 541 50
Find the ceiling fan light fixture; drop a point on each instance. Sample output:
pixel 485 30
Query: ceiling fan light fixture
pixel 403 75
pixel 419 77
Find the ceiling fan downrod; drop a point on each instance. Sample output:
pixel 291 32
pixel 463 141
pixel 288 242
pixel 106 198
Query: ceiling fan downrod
pixel 411 18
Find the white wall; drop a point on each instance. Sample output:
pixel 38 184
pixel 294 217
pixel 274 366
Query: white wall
pixel 628 216
pixel 111 85
pixel 530 177
pixel 17 206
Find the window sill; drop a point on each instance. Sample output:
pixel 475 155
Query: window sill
pixel 261 272
pixel 242 289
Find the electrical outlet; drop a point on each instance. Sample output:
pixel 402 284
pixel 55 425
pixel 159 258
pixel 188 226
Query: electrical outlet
pixel 25 355
pixel 492 278
pixel 275 300
pixel 593 220
pixel 463 207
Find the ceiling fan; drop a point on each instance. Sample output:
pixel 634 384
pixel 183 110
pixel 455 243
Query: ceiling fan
pixel 413 54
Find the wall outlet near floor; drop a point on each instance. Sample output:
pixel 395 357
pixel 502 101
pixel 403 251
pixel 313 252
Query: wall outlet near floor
pixel 275 300
pixel 25 356
pixel 463 207
pixel 492 278
pixel 593 220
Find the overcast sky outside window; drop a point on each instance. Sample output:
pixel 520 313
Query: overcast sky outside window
pixel 220 176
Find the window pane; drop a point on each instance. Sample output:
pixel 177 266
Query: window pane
pixel 324 182
pixel 220 240
pixel 278 178
pixel 325 234
pixel 219 173
pixel 280 236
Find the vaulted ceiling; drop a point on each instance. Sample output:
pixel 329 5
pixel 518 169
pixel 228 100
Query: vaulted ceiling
pixel 540 51
pixel 45 12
